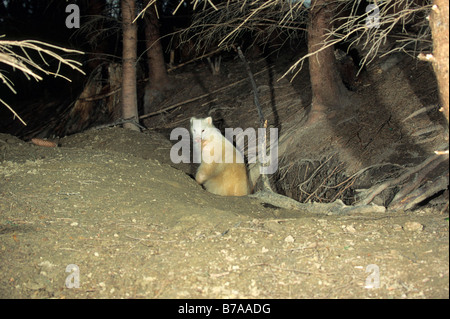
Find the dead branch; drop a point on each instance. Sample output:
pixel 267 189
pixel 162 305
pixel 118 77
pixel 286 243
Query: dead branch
pixel 422 169
pixel 206 55
pixel 262 120
pixel 409 200
pixel 230 20
pixel 197 97
pixel 24 63
pixel 99 96
pixel 353 28
pixel 41 142
pixel 223 24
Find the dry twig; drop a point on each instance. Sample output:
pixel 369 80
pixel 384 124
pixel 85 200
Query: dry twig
pixel 23 62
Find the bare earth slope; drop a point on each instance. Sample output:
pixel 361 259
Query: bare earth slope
pixel 108 202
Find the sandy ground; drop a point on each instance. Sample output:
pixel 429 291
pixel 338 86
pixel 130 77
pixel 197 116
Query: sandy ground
pixel 108 202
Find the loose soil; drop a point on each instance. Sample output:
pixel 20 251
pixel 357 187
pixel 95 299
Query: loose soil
pixel 108 202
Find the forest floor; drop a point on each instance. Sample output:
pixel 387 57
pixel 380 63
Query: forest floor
pixel 135 225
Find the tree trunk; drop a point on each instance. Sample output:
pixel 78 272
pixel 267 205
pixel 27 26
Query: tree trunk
pixel 328 91
pixel 129 55
pixel 159 81
pixel 439 31
pixel 96 48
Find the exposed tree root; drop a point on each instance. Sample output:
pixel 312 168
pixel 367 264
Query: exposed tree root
pixel 408 201
pixel 414 191
pixel 415 184
pixel 337 207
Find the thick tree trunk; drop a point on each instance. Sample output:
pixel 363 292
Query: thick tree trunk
pixel 159 81
pixel 129 55
pixel 328 91
pixel 439 30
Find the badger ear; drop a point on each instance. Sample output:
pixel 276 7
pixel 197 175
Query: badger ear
pixel 192 120
pixel 209 120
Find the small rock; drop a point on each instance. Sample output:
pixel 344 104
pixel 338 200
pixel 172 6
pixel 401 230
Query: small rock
pixel 273 226
pixel 350 229
pixel 102 286
pixel 413 226
pixel 289 239
pixel 34 285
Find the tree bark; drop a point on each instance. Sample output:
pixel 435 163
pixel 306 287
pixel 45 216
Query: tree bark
pixel 439 31
pixel 129 56
pixel 159 81
pixel 328 91
pixel 96 48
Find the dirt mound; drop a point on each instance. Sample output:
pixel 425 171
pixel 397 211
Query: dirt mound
pixel 135 227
